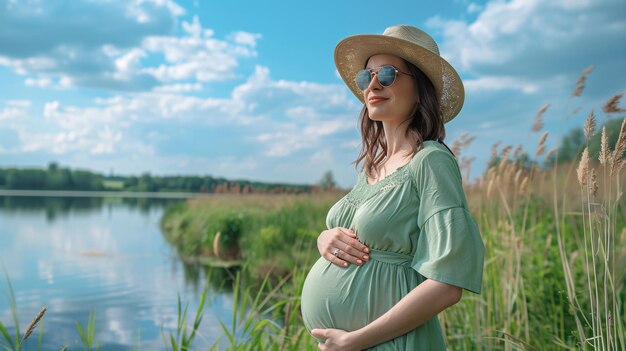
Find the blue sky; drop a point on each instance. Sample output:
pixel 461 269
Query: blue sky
pixel 248 89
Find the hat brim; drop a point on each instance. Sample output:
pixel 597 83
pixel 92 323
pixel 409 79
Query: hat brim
pixel 352 53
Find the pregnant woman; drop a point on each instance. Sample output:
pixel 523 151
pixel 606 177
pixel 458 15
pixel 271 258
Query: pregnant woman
pixel 401 245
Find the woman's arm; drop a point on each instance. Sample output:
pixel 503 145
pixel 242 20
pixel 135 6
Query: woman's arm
pixel 419 305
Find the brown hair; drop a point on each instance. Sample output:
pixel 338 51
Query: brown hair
pixel 426 123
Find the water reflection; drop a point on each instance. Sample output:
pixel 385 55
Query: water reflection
pixel 197 276
pixel 55 207
pixel 108 256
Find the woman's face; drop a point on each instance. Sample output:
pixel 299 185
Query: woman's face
pixel 392 103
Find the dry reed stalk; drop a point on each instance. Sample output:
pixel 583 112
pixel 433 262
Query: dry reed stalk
pixel 542 147
pixel 517 151
pixel 464 140
pixel 611 105
pixel 506 151
pixel 589 128
pixel 494 149
pixel 580 83
pixel 593 182
pixel 551 152
pixel 583 168
pixel 540 150
pixel 524 185
pixel 617 161
pixel 603 157
pixel 34 323
pixel 216 244
pixel 518 175
pixel 538 123
pixel 492 180
pixel 466 164
pixel 543 138
pixel 502 166
pixel 573 113
pixel 508 173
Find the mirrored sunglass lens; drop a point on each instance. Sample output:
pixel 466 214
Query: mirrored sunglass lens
pixel 363 79
pixel 386 75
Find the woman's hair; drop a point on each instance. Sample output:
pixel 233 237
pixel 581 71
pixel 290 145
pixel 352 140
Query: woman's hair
pixel 425 123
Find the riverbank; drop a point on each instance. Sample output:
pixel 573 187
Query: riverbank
pixel 543 285
pixel 272 233
pixel 94 193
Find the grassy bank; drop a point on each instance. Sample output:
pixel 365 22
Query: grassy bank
pixel 269 232
pixel 553 277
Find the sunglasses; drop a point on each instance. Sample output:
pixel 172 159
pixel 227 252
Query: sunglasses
pixel 386 76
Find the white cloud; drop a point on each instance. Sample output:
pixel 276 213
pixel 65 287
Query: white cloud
pixel 246 38
pixel 499 83
pixel 473 8
pixel 14 110
pixel 533 38
pixel 199 56
pixel 179 88
pixel 123 53
pixel 40 83
pixel 128 64
pixel 287 117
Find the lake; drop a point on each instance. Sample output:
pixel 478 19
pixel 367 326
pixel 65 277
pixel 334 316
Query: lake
pixel 101 255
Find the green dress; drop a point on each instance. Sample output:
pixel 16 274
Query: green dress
pixel 416 223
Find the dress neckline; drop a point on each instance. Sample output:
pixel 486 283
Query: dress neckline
pixel 396 171
pixel 388 175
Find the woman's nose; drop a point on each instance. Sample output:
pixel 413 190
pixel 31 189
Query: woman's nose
pixel 374 84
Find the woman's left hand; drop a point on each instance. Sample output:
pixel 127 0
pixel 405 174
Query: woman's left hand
pixel 336 340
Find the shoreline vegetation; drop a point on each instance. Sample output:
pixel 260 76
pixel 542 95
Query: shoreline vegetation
pixel 554 228
pixel 554 231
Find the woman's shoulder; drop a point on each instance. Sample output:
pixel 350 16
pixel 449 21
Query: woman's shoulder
pixel 432 151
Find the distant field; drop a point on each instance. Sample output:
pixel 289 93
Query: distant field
pixel 113 184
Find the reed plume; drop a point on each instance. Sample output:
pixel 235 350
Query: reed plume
pixel 580 83
pixel 463 141
pixel 34 323
pixel 517 151
pixel 522 188
pixel 617 159
pixel 494 150
pixel 538 123
pixel 603 157
pixel 541 147
pixel 593 181
pixel 589 128
pixel 506 151
pixel 551 152
pixel 611 105
pixel 583 168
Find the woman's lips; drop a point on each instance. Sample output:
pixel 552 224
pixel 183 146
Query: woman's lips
pixel 376 99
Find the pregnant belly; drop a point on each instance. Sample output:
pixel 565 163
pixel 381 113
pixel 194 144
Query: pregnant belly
pixel 350 298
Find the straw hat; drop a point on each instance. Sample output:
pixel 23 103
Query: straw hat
pixel 411 44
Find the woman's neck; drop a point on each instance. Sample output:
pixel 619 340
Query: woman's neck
pixel 397 141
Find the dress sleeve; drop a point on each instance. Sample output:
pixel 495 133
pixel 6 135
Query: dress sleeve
pixel 449 246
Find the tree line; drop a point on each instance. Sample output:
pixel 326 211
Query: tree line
pixel 62 178
pixel 59 178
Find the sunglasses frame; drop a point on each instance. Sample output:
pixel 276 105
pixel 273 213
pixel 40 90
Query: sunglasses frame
pixel 371 71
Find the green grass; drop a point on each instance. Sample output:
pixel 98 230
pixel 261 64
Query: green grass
pixel 535 284
pixel 113 184
pixel 553 276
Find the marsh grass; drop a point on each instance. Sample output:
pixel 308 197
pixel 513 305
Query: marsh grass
pixel 539 292
pixel 266 317
pixel 15 343
pixel 555 240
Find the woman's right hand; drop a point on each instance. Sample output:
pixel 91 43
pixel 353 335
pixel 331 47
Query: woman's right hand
pixel 341 247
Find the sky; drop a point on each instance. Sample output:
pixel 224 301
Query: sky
pixel 249 90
